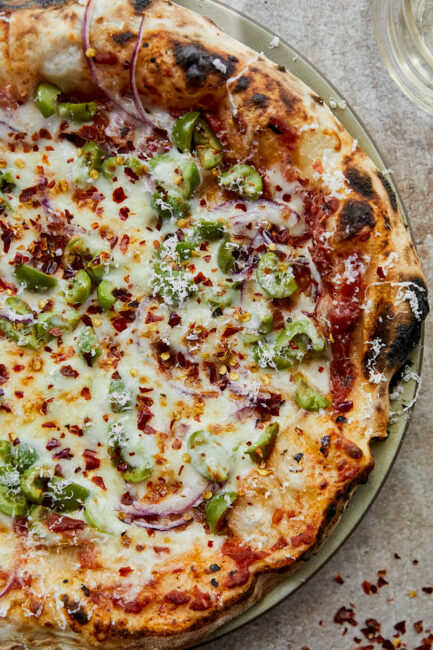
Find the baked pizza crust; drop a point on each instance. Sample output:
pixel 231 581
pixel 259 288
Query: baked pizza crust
pixel 269 114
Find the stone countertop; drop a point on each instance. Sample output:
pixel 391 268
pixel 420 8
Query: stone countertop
pixel 396 535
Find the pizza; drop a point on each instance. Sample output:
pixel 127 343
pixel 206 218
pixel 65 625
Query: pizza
pixel 206 287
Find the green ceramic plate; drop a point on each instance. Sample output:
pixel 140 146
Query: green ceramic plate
pixel 385 452
pixel 258 38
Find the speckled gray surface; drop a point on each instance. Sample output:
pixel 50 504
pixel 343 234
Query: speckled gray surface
pixel 338 37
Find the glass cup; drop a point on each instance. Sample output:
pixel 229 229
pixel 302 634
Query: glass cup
pixel 404 34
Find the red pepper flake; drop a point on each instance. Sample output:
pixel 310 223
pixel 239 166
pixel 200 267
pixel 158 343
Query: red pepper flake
pixel 400 627
pixel 279 544
pixel 4 375
pixel 119 324
pixel 56 332
pixel 124 213
pixel 49 425
pixel 124 243
pixel 345 615
pixel 64 453
pixel 85 392
pixel 92 462
pixel 131 606
pixel 52 444
pixel 382 582
pixel 419 627
pixel 76 430
pixel 339 579
pixel 161 549
pixel 199 278
pixel 143 418
pixel 230 330
pixel 62 524
pixel 428 590
pixel 174 319
pixel 99 481
pixel 119 195
pixel 18 368
pixel 176 444
pixel 69 371
pixel 380 273
pixel 125 571
pixel 151 318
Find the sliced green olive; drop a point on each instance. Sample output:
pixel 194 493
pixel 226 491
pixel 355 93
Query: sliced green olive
pixel 136 165
pixel 172 285
pixel 46 98
pixel 48 321
pixel 209 230
pixel 120 397
pixel 191 179
pixel 24 456
pixel 97 268
pixel 5 451
pixel 81 287
pixel 12 501
pixel 24 336
pixel 7 181
pixel 184 249
pixel 66 496
pixel 34 279
pixel 243 180
pixel 309 399
pixel 226 296
pixel 225 257
pixel 92 155
pixel 168 206
pixel 207 145
pixel 262 447
pixel 81 112
pixel 95 515
pixel 138 474
pixel 275 278
pixel 109 167
pixel 217 510
pixel 33 483
pixel 298 339
pixel 183 129
pixel 106 298
pixel 208 456
pixel 265 327
pixel 88 345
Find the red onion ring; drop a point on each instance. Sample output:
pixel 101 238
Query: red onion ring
pixel 133 78
pixel 176 504
pixel 169 525
pixel 12 582
pixel 130 110
pixel 13 317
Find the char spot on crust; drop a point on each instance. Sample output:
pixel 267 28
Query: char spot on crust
pixel 408 334
pixel 354 217
pixel 242 84
pixel 198 63
pixel 75 610
pixel 360 182
pixel 389 190
pixel 260 100
pixel 123 37
pixel 140 5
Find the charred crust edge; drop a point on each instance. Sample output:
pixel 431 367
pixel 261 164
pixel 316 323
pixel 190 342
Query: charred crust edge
pixel 407 335
pixel 360 182
pixel 355 216
pixel 389 190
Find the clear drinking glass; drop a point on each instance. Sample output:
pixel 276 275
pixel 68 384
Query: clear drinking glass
pixel 404 34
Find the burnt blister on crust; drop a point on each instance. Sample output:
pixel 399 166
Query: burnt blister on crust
pixel 389 190
pixel 360 182
pixel 355 216
pixel 400 340
pixel 198 63
pixel 140 5
pixel 242 84
pixel 123 37
pixel 408 334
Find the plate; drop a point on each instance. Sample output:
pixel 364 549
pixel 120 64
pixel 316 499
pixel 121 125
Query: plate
pixel 385 452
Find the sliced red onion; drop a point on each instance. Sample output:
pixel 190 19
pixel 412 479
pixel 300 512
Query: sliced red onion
pixel 12 582
pixel 13 317
pixel 11 129
pixel 129 108
pixel 175 504
pixel 162 526
pixel 133 78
